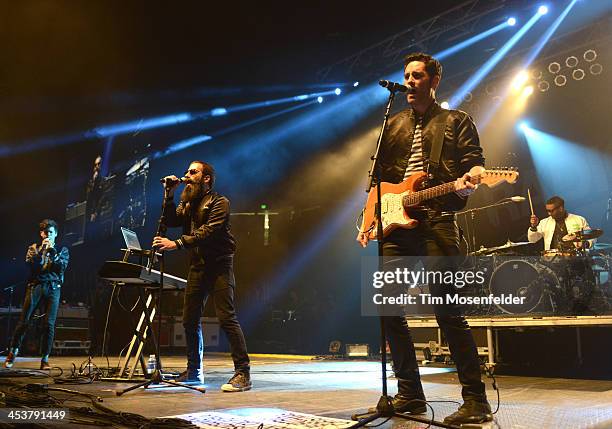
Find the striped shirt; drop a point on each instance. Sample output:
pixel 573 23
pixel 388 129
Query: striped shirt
pixel 415 161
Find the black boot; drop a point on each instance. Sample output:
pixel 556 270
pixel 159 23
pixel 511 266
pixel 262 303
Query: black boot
pixel 409 399
pixel 472 411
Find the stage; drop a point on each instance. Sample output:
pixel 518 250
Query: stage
pixel 336 389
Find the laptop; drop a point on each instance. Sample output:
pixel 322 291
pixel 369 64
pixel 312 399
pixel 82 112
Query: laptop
pixel 131 239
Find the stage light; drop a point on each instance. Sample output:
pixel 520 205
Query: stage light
pixel 536 74
pixel 263 206
pixel 300 97
pixel 595 69
pixel 571 61
pixel 511 22
pixel 543 86
pixel 356 84
pixel 338 91
pixel 444 105
pixel 560 80
pixel 218 111
pixel 491 89
pixel 578 74
pixel 320 99
pixel 520 80
pixel 537 48
pixel 554 67
pixel 486 68
pixel 527 91
pixel 589 55
pixel 523 126
pixel 183 144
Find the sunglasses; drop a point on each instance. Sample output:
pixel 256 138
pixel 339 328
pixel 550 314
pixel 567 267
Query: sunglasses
pixel 193 172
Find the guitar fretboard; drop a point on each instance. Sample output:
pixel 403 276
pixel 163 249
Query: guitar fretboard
pixel 415 198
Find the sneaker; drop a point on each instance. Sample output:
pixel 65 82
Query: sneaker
pixel 240 382
pixel 44 365
pixel 470 412
pixel 10 360
pixel 190 376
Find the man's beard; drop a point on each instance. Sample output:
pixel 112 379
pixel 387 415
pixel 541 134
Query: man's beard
pixel 193 191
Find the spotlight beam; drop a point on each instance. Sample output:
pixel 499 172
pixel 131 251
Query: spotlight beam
pixel 145 124
pixel 187 143
pixel 469 42
pixel 531 56
pixel 492 62
pixel 547 35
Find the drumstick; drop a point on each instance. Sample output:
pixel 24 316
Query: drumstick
pixel 530 203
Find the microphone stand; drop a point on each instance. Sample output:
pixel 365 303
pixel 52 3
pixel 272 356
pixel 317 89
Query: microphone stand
pixel 384 407
pixel 157 376
pixel 471 230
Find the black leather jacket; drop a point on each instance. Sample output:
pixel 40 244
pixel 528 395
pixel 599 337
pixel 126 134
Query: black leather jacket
pixel 47 266
pixel 206 227
pixel 460 151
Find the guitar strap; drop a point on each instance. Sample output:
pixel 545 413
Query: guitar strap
pixel 438 128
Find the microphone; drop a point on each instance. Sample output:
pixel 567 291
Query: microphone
pixel 393 86
pixel 169 181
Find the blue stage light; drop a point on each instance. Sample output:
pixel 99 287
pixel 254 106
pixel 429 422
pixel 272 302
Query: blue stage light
pixel 320 99
pixel 338 91
pixel 511 21
pixel 523 126
pixel 219 111
pixel 486 68
pixel 543 10
pixel 356 84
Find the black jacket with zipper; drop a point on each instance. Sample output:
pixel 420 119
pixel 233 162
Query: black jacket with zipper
pixel 460 150
pixel 206 227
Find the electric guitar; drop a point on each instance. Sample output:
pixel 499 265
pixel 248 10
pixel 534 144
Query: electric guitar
pixel 399 198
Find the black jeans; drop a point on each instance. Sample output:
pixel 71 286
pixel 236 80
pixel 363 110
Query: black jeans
pixel 48 297
pixel 433 239
pixel 216 279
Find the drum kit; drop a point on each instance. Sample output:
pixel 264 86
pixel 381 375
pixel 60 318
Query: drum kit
pixel 575 279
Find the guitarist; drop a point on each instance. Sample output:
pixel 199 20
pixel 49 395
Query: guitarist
pixel 408 147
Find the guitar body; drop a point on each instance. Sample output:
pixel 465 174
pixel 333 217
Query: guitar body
pixel 394 214
pixel 397 197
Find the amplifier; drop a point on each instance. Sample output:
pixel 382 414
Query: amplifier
pixel 357 350
pixel 173 333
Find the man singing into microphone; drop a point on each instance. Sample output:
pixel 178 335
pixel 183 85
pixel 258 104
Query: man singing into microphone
pixel 204 216
pixel 47 265
pixel 408 148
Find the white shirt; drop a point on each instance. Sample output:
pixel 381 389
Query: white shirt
pixel 546 229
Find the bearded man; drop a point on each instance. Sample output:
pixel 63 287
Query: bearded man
pixel 204 216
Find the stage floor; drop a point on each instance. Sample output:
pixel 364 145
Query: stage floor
pixel 338 389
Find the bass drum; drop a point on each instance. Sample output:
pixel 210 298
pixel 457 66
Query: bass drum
pixel 525 279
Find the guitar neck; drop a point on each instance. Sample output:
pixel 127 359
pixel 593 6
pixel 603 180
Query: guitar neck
pixel 415 198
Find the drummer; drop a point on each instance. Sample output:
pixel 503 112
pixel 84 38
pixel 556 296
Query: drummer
pixel 557 225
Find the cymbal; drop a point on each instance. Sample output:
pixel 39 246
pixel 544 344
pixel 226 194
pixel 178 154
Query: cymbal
pixel 584 235
pixel 508 245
